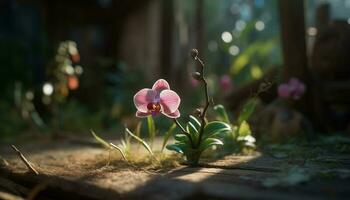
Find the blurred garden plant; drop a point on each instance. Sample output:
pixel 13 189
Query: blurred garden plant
pixel 62 78
pixel 240 136
pixel 65 73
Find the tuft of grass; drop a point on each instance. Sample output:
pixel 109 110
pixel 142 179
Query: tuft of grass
pixel 141 141
pixel 107 145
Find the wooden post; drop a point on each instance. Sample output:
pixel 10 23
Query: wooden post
pixel 295 58
pixel 166 37
pixel 293 39
pixel 322 16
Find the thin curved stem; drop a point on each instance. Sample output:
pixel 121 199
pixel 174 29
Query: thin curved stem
pixel 185 132
pixel 206 92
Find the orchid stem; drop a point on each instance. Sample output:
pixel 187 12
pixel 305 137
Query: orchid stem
pixel 206 92
pixel 184 131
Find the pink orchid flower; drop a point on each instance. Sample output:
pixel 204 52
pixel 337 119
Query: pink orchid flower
pixel 293 89
pixel 159 99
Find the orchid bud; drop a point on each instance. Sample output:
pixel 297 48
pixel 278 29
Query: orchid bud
pixel 197 76
pixel 194 53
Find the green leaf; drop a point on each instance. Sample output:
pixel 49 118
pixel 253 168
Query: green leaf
pixel 126 142
pixel 126 146
pixel 209 142
pixel 247 110
pixel 144 143
pixel 138 129
pixel 168 134
pixel 215 127
pixel 119 149
pixel 195 122
pixel 191 128
pixel 239 63
pixel 151 128
pixel 244 129
pixel 220 109
pixel 100 140
pixel 181 138
pixel 253 53
pixel 175 147
pixel 193 131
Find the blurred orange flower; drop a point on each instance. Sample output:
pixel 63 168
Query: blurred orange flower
pixel 73 82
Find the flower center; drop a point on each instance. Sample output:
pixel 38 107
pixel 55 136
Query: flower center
pixel 154 108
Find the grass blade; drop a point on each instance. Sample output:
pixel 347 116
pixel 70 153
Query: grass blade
pixel 119 149
pixel 144 143
pixel 167 135
pixel 151 129
pixel 100 140
pixel 138 129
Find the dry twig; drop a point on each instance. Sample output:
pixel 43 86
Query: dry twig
pixel 3 161
pixel 8 196
pixel 24 159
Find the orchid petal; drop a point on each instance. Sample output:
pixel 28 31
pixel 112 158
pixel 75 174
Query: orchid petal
pixel 170 101
pixel 142 114
pixel 160 85
pixel 175 114
pixel 143 97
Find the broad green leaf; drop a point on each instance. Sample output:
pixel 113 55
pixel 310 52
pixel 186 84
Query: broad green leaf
pixel 244 129
pixel 191 128
pixel 175 147
pixel 209 142
pixel 215 127
pixel 195 122
pixel 100 140
pixel 151 128
pixel 247 110
pixel 181 138
pixel 144 143
pixel 193 131
pixel 220 109
pixel 218 134
pixel 168 134
pixel 119 149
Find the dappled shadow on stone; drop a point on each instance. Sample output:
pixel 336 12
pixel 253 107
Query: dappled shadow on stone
pixel 81 172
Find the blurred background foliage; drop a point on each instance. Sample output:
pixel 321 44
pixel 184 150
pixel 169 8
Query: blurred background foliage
pixel 123 49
